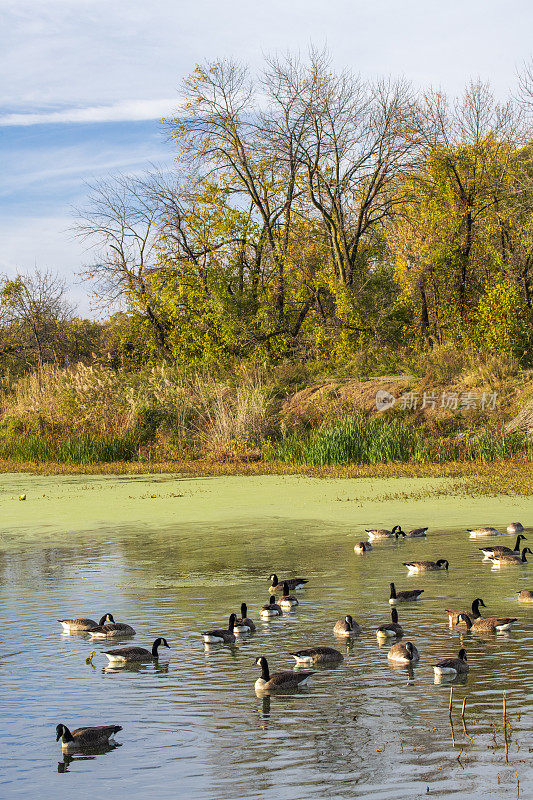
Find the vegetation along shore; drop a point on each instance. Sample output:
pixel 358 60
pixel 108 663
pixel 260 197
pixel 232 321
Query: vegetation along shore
pixel 338 278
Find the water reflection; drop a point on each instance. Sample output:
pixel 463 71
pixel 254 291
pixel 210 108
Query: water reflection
pixel 88 754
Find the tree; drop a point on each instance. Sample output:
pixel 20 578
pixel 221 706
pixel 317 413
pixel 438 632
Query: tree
pixel 120 225
pixel 447 243
pixel 34 314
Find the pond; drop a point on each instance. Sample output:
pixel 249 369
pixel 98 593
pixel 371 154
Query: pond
pixel 173 557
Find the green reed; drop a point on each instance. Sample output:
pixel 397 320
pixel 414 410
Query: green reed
pixel 359 440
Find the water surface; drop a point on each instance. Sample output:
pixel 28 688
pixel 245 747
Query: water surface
pixel 174 557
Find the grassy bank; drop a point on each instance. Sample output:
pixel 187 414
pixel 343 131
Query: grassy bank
pixel 253 422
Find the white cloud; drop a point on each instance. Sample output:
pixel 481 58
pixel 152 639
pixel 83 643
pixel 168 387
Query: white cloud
pixel 125 110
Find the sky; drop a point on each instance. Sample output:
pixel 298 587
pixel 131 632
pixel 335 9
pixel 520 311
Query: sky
pixel 86 83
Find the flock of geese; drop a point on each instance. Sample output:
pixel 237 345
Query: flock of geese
pixel 281 600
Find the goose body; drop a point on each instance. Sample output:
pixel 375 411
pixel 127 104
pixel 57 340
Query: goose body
pixel 484 530
pixel 392 628
pixel 510 558
pixel 426 566
pixel 346 627
pixel 111 629
pixel 405 596
pixel 83 623
pixel 221 636
pixel 287 601
pixel 403 653
pixel 383 533
pixel 271 609
pixel 417 532
pixel 500 550
pixel 525 596
pixel 286 680
pixel 96 736
pixel 452 666
pixel 131 655
pixel 292 583
pixel 244 624
pixel 515 527
pixel 488 624
pixel 454 613
pixel 362 547
pixel 317 655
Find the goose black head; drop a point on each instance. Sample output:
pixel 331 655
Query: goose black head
pixel 106 618
pixel 232 618
pixel 273 578
pixel 272 600
pixel 286 589
pixel 349 620
pixel 464 618
pixel 479 602
pixel 260 660
pixel 409 648
pixel 394 615
pixel 462 654
pixel 161 642
pixel 442 562
pixel 244 610
pixel 63 731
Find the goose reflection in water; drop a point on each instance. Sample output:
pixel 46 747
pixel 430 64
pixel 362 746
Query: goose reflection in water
pixel 158 667
pixel 87 754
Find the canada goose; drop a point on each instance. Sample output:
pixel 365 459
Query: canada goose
pixel 403 653
pixel 85 737
pixel 362 547
pixel 279 680
pixel 220 635
pixel 417 532
pixel 426 566
pixel 525 596
pixel 270 609
pixel 111 630
pixel 500 550
pixel 244 624
pixel 484 530
pixel 317 655
pixel 293 583
pixel 383 533
pixel 392 628
pixel 406 596
pixel 128 655
pixel 510 558
pixel 83 623
pixel 452 666
pixel 488 624
pixel 515 527
pixel 346 627
pixel 454 613
pixel 287 601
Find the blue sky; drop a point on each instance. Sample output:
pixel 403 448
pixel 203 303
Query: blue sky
pixel 87 81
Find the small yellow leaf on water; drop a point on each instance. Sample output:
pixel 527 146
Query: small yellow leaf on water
pixel 22 496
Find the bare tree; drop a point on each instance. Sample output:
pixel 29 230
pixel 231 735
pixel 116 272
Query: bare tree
pixel 33 313
pixel 120 226
pixel 349 143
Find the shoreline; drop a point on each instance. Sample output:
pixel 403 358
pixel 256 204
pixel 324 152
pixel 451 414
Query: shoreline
pixel 514 476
